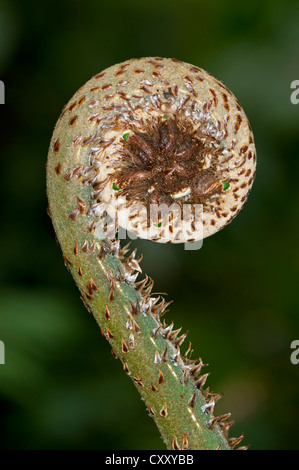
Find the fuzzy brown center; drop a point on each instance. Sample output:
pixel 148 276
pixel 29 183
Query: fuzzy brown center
pixel 167 160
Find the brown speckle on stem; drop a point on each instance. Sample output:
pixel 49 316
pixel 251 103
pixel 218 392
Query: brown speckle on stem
pixel 161 378
pixel 107 313
pixel 175 445
pixel 73 120
pixel 124 346
pixel 57 145
pixel 164 412
pixel 67 262
pixel 57 168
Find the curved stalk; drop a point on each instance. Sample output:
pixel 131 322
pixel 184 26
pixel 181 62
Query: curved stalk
pixel 171 384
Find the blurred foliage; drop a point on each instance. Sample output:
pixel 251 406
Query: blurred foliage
pixel 60 387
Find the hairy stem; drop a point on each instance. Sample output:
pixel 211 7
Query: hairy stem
pixel 165 379
pixel 94 148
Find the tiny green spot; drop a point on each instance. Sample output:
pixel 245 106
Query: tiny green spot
pixel 115 187
pixel 126 135
pixel 158 225
pixel 226 185
pixel 165 116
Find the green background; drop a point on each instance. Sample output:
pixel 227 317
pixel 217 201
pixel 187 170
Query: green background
pixel 60 387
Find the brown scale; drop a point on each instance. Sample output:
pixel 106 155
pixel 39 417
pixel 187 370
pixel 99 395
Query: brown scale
pixel 67 262
pixel 175 445
pixel 109 333
pixel 86 304
pixel 57 146
pixel 80 270
pixel 126 369
pixel 191 402
pixel 161 378
pixel 107 313
pixel 111 290
pixel 138 380
pixel 163 412
pixel 58 168
pixel 185 445
pixel 124 346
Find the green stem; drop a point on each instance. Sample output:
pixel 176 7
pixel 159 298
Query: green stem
pixel 170 384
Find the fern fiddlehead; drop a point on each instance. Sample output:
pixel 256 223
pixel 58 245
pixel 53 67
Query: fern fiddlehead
pixel 153 131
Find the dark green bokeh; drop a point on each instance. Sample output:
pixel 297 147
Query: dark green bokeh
pixel 60 387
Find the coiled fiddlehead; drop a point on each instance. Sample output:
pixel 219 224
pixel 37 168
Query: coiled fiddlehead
pixel 156 131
